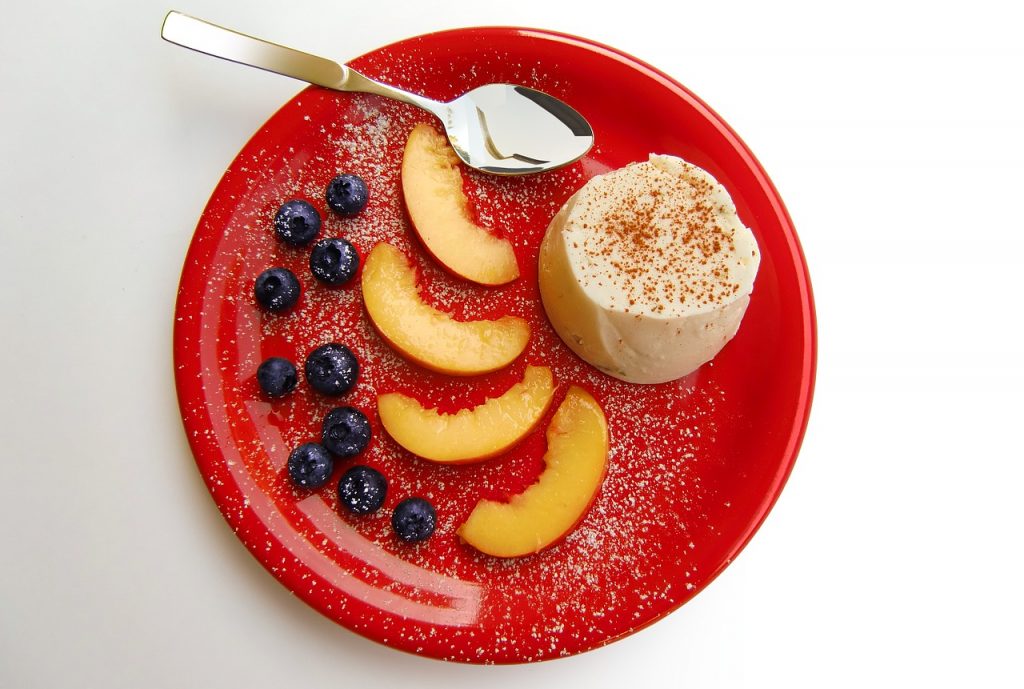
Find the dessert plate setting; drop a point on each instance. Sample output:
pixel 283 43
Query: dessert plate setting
pixel 692 465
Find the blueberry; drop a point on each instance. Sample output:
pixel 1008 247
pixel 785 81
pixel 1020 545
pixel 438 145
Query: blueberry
pixel 277 376
pixel 346 432
pixel 361 490
pixel 334 261
pixel 332 369
pixel 414 520
pixel 310 465
pixel 297 223
pixel 277 289
pixel 347 194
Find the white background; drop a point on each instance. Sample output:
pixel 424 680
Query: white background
pixel 894 132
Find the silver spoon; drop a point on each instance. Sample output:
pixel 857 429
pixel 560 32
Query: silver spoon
pixel 498 128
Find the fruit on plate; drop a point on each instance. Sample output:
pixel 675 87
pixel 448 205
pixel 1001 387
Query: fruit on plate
pixel 432 187
pixel 333 261
pixel 347 194
pixel 332 369
pixel 310 465
pixel 346 432
pixel 414 520
pixel 362 490
pixel 277 289
pixel 429 337
pixel 575 464
pixel 297 223
pixel 277 376
pixel 469 435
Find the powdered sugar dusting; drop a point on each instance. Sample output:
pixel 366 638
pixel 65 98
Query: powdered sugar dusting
pixel 624 563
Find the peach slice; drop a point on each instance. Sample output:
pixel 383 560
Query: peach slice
pixel 432 186
pixel 429 337
pixel 540 516
pixel 469 435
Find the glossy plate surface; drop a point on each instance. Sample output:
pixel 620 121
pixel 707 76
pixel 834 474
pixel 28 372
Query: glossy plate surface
pixel 695 464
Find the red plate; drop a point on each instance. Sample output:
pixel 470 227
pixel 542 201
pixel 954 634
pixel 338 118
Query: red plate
pixel 695 464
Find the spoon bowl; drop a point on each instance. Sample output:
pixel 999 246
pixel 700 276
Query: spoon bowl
pixel 509 129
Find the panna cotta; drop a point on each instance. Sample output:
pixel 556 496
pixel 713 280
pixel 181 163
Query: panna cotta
pixel 647 270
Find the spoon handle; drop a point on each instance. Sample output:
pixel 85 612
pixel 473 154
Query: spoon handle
pixel 218 41
pixel 204 37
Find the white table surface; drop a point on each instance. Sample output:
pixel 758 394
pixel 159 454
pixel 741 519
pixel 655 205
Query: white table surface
pixel 894 132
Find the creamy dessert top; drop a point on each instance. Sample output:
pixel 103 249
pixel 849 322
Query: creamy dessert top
pixel 659 238
pixel 646 271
